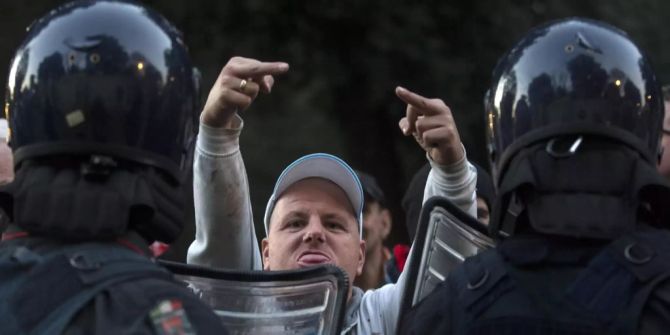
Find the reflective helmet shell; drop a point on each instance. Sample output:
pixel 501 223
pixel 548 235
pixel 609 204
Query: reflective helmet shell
pixel 568 76
pixel 104 77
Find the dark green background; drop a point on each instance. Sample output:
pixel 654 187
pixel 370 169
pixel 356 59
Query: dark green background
pixel 346 59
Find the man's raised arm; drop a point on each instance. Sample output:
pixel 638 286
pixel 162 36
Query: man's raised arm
pixel 225 236
pixel 431 123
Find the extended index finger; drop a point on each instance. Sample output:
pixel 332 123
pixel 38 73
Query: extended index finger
pixel 424 105
pixel 249 68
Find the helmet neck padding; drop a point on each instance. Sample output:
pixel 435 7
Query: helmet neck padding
pixel 596 192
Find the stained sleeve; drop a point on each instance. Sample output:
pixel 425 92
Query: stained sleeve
pixel 224 236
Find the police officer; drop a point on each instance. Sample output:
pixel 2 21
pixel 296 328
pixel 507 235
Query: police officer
pixel 101 103
pixel 574 115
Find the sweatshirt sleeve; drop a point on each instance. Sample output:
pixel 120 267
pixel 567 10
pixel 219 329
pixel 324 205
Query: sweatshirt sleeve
pixel 379 309
pixel 224 231
pixel 456 182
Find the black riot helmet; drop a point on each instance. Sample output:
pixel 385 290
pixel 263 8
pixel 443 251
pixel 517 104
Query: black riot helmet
pixel 102 105
pixel 110 78
pixel 572 77
pixel 574 119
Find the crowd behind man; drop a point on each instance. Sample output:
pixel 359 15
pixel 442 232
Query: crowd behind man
pixel 377 221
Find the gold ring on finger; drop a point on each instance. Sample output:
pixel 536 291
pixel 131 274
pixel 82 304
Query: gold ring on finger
pixel 243 84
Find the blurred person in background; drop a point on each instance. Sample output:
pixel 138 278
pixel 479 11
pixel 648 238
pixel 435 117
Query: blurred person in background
pixel 412 203
pixel 413 197
pixel 664 164
pixel 6 158
pixel 376 227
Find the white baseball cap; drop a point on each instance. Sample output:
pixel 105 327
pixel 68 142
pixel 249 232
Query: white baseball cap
pixel 324 166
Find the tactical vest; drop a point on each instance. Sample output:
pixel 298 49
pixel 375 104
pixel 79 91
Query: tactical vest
pixel 43 288
pixel 529 286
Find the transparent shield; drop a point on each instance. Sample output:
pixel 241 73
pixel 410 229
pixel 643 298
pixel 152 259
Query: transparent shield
pixel 449 241
pixel 445 237
pixel 307 301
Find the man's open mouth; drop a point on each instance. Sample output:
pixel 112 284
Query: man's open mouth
pixel 313 258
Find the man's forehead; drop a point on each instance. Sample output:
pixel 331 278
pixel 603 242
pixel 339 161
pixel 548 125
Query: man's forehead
pixel 312 192
pixel 296 206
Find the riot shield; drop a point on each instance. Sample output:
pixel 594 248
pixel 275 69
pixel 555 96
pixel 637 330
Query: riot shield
pixel 304 301
pixel 445 237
